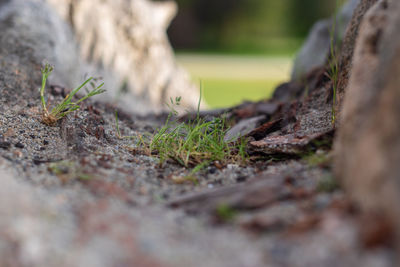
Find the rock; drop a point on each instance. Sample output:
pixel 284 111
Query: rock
pixel 317 45
pixel 310 82
pixel 315 50
pixel 367 149
pixel 32 33
pixel 125 42
pixel 291 143
pixel 288 91
pixel 242 128
pixel 259 192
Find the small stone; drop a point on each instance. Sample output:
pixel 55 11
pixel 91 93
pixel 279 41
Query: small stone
pixel 241 179
pixel 19 145
pixel 212 170
pixel 5 144
pixel 37 160
pixel 17 153
pixel 57 90
pixel 10 132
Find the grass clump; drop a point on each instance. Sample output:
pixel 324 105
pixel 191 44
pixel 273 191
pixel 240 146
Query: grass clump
pixel 333 75
pixel 196 143
pixel 225 213
pixel 333 60
pixel 66 106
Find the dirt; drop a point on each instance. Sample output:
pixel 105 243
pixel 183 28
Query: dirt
pixel 89 192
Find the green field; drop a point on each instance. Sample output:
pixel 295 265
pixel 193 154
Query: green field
pixel 228 92
pixel 230 80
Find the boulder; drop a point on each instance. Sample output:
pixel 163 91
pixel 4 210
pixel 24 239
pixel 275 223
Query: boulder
pixel 315 50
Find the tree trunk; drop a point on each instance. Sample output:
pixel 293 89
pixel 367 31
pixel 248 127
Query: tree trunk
pixel 367 149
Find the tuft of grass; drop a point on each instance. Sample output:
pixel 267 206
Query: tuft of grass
pixel 225 213
pixel 196 143
pixel 333 74
pixel 66 106
pixel 333 61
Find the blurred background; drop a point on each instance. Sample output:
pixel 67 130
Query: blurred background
pixel 242 49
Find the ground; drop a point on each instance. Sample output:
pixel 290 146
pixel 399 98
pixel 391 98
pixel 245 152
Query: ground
pixel 77 194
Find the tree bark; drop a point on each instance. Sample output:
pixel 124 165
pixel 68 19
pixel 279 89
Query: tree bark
pixel 347 51
pixel 367 149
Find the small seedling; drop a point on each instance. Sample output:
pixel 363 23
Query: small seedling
pixel 119 135
pixel 67 105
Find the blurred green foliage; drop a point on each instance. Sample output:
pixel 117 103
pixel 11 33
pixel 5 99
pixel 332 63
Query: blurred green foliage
pixel 245 26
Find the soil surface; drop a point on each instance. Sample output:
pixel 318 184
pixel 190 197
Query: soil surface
pixel 78 195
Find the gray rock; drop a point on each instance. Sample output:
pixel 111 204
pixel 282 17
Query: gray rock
pixel 316 48
pixel 34 24
pixel 242 128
